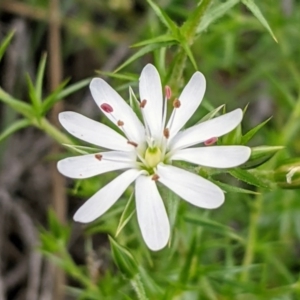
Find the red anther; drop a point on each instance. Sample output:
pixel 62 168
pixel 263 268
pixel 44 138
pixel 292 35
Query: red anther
pixel 120 123
pixel 132 143
pixel 98 156
pixel 143 103
pixel 106 107
pixel 166 133
pixel 155 177
pixel 210 141
pixel 176 103
pixel 168 92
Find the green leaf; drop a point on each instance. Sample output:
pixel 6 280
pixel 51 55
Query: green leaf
pixel 249 178
pixel 248 136
pixel 189 53
pixel 260 155
pixel 13 128
pixel 123 76
pixel 53 97
pixel 160 39
pixel 165 19
pixel 32 95
pixel 213 226
pixel 211 114
pixel 123 259
pixel 19 106
pixel 61 92
pixel 189 28
pixel 82 149
pixel 126 215
pixel 5 44
pixel 135 104
pixel 40 77
pixel 283 89
pixel 233 189
pixel 234 137
pixel 142 52
pixel 214 13
pixel 72 88
pixel 186 269
pixel 257 13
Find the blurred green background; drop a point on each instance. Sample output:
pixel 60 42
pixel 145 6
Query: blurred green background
pixel 247 249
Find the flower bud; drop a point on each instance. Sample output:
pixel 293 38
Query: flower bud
pixel 260 155
pixel 123 259
pixel 287 175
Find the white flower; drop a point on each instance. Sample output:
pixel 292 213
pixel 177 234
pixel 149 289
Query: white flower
pixel 146 150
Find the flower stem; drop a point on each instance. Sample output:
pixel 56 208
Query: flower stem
pixel 138 287
pixel 256 207
pixel 53 132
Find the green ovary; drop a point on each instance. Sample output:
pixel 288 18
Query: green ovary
pixel 153 156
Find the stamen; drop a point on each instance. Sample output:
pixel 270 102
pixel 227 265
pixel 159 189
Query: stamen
pixel 210 141
pixel 143 103
pixel 168 92
pixel 98 156
pixel 155 177
pixel 132 143
pixel 106 107
pixel 176 103
pixel 120 123
pixel 166 133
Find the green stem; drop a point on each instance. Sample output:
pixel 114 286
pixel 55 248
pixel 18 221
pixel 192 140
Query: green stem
pixel 138 287
pixel 53 132
pixel 190 30
pixel 256 208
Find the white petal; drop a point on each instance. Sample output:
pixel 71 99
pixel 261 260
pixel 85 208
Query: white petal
pixel 151 214
pixel 85 166
pixel 203 131
pixel 103 93
pixel 99 203
pixel 190 187
pixel 151 91
pixel 190 99
pixel 214 156
pixel 93 132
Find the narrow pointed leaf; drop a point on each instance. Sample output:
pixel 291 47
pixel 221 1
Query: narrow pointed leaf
pixel 248 136
pixel 5 43
pixel 165 19
pixel 189 28
pixel 213 226
pixel 32 94
pixel 40 77
pixel 19 106
pixel 211 114
pixel 126 215
pixel 249 178
pixel 189 53
pixel 13 128
pixel 142 52
pixel 233 189
pixel 53 97
pixel 82 149
pixel 257 13
pixel 124 76
pixel 260 155
pixel 135 104
pixel 214 13
pixel 156 40
pixel 72 88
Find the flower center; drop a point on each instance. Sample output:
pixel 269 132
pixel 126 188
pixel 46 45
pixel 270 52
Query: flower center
pixel 153 156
